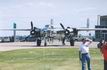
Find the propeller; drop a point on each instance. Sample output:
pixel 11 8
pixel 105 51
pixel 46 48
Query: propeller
pixel 32 32
pixel 35 32
pixel 31 25
pixel 62 26
pixel 67 31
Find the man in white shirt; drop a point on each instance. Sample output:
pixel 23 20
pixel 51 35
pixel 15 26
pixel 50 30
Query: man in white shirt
pixel 84 53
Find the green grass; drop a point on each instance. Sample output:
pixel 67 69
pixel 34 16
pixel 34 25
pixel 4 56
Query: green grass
pixel 47 59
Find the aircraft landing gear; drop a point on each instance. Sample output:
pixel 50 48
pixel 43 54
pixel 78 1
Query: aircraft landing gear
pixel 63 41
pixel 38 42
pixel 45 44
pixel 72 42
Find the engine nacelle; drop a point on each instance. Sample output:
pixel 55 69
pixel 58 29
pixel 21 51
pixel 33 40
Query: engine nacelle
pixel 75 31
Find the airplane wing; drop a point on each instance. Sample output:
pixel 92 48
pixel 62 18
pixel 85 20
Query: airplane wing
pixel 91 29
pixel 15 29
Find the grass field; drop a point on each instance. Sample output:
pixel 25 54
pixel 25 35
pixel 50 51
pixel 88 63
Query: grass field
pixel 47 59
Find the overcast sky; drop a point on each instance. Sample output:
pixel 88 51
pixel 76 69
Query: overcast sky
pixel 72 13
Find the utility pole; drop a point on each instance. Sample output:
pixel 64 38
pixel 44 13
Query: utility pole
pixel 98 19
pixel 88 22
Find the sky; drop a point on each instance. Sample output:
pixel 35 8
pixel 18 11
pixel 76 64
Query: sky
pixel 73 13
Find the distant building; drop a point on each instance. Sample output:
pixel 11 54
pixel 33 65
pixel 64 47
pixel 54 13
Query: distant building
pixel 102 23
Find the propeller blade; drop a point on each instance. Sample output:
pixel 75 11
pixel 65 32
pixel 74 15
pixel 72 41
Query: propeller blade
pixel 62 26
pixel 31 25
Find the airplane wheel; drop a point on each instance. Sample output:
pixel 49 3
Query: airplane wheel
pixel 38 42
pixel 45 44
pixel 71 42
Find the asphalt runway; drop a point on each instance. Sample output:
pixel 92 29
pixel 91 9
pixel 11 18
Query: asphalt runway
pixel 27 45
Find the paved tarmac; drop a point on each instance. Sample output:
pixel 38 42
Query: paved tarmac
pixel 27 45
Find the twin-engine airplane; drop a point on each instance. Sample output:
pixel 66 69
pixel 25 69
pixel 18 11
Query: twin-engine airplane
pixel 45 33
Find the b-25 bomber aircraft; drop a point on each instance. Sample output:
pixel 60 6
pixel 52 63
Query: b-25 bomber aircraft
pixel 43 34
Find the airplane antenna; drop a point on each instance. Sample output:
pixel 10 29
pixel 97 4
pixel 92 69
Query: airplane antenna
pixel 31 25
pixel 51 21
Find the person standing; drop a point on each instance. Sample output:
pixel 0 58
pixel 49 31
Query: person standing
pixel 84 54
pixel 103 49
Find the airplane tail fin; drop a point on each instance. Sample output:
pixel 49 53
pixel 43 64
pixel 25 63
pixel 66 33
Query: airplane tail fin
pixel 88 23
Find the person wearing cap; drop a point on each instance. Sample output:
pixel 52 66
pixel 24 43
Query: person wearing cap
pixel 103 49
pixel 84 53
